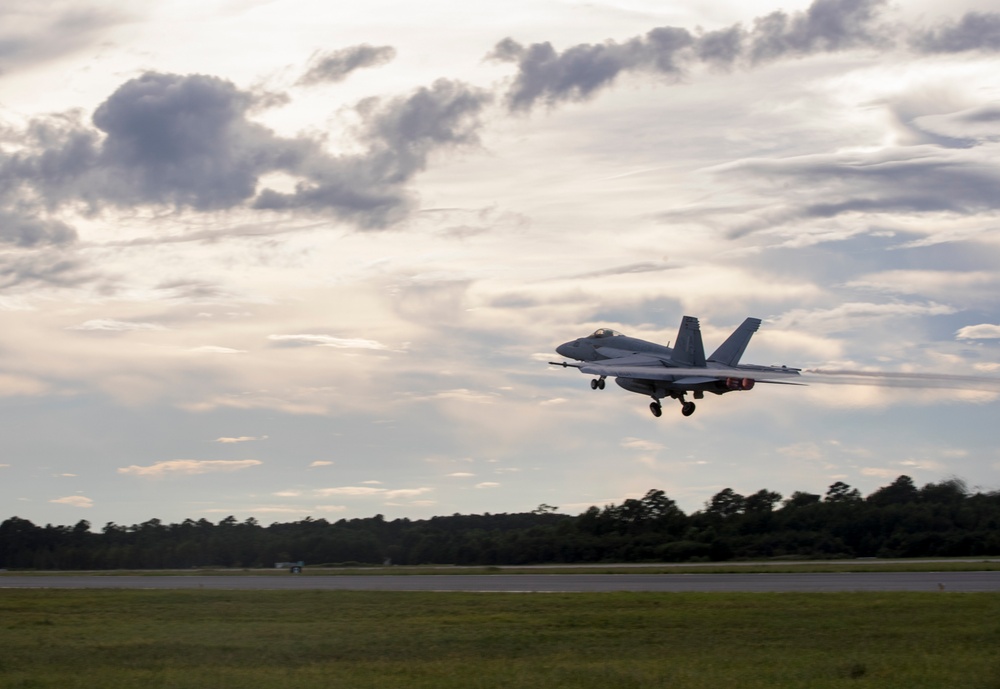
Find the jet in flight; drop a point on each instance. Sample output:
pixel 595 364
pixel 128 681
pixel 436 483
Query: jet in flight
pixel 660 371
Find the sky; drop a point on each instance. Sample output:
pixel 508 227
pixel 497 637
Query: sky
pixel 286 258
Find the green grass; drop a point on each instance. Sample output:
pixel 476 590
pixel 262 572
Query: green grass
pixel 361 640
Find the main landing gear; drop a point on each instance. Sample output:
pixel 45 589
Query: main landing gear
pixel 687 408
pixel 597 384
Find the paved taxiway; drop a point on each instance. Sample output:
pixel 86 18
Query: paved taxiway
pixel 758 583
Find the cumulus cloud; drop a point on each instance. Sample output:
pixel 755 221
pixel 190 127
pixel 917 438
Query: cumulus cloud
pixel 336 65
pixel 974 31
pixel 189 467
pixel 985 331
pixel 74 501
pixel 187 142
pixel 547 76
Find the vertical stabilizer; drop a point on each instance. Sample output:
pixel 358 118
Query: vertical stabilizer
pixel 688 349
pixel 730 351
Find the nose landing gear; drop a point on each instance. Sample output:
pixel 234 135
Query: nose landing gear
pixel 597 383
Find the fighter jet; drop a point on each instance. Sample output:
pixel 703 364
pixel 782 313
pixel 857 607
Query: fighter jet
pixel 660 371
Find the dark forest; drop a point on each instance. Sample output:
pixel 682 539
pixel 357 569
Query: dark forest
pixel 898 520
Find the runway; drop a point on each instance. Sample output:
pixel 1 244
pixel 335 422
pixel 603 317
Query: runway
pixel 964 582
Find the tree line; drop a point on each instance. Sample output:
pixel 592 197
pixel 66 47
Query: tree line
pixel 897 520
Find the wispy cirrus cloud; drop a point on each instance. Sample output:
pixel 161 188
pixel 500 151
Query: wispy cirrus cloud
pixel 370 491
pixel 189 467
pixel 310 340
pixel 111 325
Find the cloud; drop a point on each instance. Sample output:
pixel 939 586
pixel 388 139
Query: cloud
pixel 45 268
pixel 488 484
pixel 189 467
pixel 25 229
pixel 320 463
pixel 985 331
pixel 187 142
pixel 12 384
pixel 405 493
pixel 642 445
pixel 855 314
pixel 109 325
pixel 974 31
pixel 880 472
pixel 826 26
pixel 353 491
pixel 335 65
pixel 400 134
pixel 30 35
pixel 577 73
pixel 366 491
pixel 240 439
pixel 914 180
pixel 305 340
pixel 74 501
pixel 460 474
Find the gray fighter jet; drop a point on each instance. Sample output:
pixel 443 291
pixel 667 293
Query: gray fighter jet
pixel 660 371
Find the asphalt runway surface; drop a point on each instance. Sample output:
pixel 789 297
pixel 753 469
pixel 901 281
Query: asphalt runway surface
pixel 593 583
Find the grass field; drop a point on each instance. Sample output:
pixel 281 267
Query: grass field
pixel 360 640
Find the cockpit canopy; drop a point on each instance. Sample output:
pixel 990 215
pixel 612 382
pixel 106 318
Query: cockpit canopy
pixel 606 332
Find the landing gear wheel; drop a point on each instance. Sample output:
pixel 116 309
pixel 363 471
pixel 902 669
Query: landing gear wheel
pixel 593 384
pixel 600 384
pixel 656 409
pixel 597 384
pixel 687 409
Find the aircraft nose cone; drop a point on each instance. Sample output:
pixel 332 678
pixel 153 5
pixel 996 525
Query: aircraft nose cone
pixel 565 349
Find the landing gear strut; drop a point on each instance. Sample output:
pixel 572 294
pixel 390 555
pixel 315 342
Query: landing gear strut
pixel 687 408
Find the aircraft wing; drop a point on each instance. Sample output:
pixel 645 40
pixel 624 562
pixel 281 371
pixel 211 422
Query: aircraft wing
pixel 651 371
pixel 621 357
